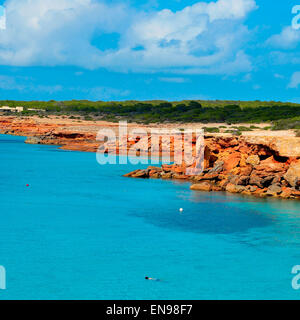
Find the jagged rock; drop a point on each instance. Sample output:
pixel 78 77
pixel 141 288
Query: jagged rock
pixel 130 174
pixel 251 188
pixel 140 174
pixel 203 186
pixel 167 175
pixel 277 179
pixel 223 183
pixel 255 180
pixel 157 169
pixel 260 192
pixel 231 161
pixel 216 187
pixel 218 167
pixel 293 174
pixel 246 171
pixel 154 171
pixel 156 175
pixel 167 168
pixel 253 160
pixel 33 140
pixel 239 180
pixel 208 176
pixel 244 180
pixel 274 190
pixel 283 146
pixel 270 165
pixel 295 193
pixel 180 176
pixel 286 193
pixel 198 177
pixel 233 188
pixel 267 181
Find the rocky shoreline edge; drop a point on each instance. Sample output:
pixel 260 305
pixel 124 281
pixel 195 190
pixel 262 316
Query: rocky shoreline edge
pixel 237 166
pixel 261 166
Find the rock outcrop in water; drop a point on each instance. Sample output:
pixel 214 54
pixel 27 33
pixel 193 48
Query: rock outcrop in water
pixel 263 168
pixel 67 135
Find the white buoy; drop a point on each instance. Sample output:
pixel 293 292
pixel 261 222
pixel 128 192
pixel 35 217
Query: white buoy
pixel 181 210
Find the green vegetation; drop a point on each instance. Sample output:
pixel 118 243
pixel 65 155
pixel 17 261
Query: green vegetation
pixel 242 128
pixel 279 115
pixel 234 132
pixel 212 130
pixel 293 123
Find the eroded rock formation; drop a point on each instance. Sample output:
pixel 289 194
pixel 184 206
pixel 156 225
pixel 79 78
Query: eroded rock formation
pixel 239 165
pixel 260 166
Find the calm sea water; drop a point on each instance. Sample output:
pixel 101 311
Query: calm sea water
pixel 82 231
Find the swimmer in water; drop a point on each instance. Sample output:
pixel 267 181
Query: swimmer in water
pixel 152 279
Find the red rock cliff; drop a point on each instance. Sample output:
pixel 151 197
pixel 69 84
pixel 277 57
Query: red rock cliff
pixel 260 166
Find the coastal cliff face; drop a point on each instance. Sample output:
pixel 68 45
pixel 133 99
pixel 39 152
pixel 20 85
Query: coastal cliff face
pixel 252 165
pixel 67 135
pixel 264 167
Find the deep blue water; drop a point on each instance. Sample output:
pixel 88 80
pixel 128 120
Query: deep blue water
pixel 82 231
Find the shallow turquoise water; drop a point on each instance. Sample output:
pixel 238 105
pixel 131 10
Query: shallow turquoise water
pixel 82 231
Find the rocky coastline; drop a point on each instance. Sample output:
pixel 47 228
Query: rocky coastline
pixel 262 166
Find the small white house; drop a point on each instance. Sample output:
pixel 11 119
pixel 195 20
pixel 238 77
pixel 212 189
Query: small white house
pixel 6 108
pixel 11 109
pixel 35 109
pixel 20 109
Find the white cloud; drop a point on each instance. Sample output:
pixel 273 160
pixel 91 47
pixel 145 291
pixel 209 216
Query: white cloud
pixel 104 93
pixel 56 32
pixel 295 80
pixel 2 18
pixel 283 57
pixel 173 79
pixel 203 38
pixel 288 38
pixel 279 76
pixel 286 51
pixel 247 77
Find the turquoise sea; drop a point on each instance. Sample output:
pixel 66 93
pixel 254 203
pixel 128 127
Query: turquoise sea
pixel 82 231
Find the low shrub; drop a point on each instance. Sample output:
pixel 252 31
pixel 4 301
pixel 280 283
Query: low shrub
pixel 212 130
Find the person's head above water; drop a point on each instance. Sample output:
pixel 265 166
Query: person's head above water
pixel 153 279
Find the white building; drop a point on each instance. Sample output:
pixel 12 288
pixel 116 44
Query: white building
pixel 11 109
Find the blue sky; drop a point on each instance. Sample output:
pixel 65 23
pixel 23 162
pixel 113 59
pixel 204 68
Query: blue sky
pixel 149 49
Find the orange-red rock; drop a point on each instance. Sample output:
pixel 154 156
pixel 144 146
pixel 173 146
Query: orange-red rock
pixel 293 174
pixel 231 161
pixel 260 166
pixel 203 186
